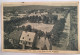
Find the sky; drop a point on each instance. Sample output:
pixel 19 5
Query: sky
pixel 41 3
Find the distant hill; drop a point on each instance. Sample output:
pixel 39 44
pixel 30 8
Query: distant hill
pixel 30 7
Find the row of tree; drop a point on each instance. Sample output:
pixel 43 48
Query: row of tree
pixel 57 31
pixel 18 21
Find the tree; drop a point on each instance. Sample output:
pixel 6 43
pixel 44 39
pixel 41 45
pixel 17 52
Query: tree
pixel 23 27
pixel 28 28
pixel 48 35
pixel 45 19
pixel 7 44
pixel 40 33
pixel 57 31
pixel 55 18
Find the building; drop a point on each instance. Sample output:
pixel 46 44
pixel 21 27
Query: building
pixel 21 15
pixel 34 14
pixel 5 18
pixel 27 39
pixel 9 14
pixel 38 14
pixel 44 13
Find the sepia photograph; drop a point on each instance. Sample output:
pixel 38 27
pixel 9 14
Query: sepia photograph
pixel 40 27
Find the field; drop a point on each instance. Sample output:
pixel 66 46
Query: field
pixel 40 26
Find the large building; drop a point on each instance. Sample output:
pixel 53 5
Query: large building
pixel 27 39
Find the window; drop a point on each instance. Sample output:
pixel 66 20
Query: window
pixel 27 35
pixel 23 37
pixel 29 38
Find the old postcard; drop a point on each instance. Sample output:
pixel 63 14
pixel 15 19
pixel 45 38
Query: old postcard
pixel 40 27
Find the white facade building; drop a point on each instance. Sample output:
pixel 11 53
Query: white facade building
pixel 37 14
pixel 27 38
pixel 21 15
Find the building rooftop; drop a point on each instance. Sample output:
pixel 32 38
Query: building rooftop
pixel 27 36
